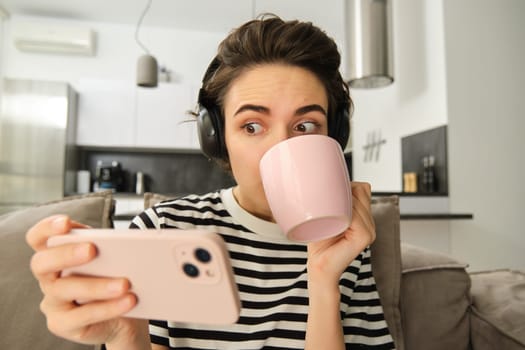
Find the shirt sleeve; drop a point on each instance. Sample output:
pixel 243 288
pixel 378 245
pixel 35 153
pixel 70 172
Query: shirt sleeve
pixel 364 322
pixel 149 218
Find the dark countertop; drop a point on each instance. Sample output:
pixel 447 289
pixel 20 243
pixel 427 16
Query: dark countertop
pixel 123 217
pixel 403 216
pixel 433 212
pixel 437 216
pixel 429 216
pixel 409 194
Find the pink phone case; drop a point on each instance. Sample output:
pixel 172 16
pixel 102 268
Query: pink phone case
pixel 177 275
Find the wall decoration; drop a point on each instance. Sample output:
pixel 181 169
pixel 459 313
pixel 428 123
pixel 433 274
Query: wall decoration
pixel 372 148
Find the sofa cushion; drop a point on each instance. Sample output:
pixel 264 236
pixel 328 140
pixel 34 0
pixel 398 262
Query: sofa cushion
pixel 25 327
pixel 498 310
pixel 385 257
pixel 150 199
pixel 435 300
pixel 386 262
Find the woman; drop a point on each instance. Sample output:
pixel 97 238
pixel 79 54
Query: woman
pixel 270 80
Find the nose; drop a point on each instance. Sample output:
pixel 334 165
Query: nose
pixel 282 133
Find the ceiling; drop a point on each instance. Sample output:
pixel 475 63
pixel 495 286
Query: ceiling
pixel 201 15
pixel 205 15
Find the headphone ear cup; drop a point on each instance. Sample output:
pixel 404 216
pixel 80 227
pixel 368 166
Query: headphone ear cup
pixel 340 128
pixel 209 129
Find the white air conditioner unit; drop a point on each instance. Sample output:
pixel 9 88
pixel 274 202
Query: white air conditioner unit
pixel 57 39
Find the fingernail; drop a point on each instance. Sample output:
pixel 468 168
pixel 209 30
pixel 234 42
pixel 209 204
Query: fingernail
pixel 59 223
pixel 115 286
pixel 127 301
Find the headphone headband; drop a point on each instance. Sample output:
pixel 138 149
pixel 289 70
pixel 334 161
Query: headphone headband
pixel 210 122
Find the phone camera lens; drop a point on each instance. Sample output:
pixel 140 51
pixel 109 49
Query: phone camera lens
pixel 202 255
pixel 190 270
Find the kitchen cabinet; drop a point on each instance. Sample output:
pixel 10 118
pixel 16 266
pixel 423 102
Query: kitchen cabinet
pixel 163 120
pixel 106 113
pixel 116 113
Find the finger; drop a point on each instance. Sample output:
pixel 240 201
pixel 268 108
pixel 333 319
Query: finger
pixel 37 235
pixel 361 217
pixel 46 264
pixel 99 311
pixel 77 319
pixel 362 190
pixel 83 289
pixel 362 225
pixel 362 195
pixel 361 230
pixel 362 208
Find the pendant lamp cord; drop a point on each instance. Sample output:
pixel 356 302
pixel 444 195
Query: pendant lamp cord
pixel 148 5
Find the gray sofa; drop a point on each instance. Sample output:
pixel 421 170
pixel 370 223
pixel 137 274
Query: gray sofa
pixel 430 300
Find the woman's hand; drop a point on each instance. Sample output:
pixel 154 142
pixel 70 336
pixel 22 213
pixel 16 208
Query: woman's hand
pixel 327 259
pixel 64 304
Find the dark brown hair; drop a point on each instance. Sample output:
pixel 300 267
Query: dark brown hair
pixel 269 39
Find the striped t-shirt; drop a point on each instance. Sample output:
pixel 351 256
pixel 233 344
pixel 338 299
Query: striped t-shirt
pixel 271 276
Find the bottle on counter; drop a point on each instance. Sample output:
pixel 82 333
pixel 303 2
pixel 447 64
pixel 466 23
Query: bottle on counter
pixel 429 182
pixel 83 181
pixel 139 184
pixel 410 182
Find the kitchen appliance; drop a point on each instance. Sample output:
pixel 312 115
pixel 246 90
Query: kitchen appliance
pixel 37 133
pixel 109 176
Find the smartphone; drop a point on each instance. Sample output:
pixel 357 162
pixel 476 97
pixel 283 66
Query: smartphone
pixel 177 275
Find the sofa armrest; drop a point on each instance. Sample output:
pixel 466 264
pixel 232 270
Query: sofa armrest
pixel 435 300
pixel 22 325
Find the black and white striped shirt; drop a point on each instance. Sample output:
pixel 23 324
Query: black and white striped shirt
pixel 270 273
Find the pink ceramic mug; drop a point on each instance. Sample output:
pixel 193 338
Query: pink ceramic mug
pixel 307 186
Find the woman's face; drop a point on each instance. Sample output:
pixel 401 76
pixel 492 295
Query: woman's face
pixel 263 106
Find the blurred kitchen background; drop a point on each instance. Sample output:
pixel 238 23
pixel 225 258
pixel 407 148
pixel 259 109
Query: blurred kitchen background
pixel 445 135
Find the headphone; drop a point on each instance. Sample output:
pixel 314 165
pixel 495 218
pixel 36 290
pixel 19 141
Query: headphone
pixel 210 122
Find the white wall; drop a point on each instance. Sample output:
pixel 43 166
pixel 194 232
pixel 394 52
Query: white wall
pixel 3 19
pixel 476 86
pixel 415 102
pixel 485 52
pixel 186 53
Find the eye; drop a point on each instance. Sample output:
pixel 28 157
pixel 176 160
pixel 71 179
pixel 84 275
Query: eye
pixel 307 127
pixel 252 128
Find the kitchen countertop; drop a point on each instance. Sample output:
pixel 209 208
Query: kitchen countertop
pixel 405 216
pixel 419 206
pixel 412 206
pixel 436 216
pixel 409 194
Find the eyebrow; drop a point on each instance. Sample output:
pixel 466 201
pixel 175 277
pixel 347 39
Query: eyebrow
pixel 265 110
